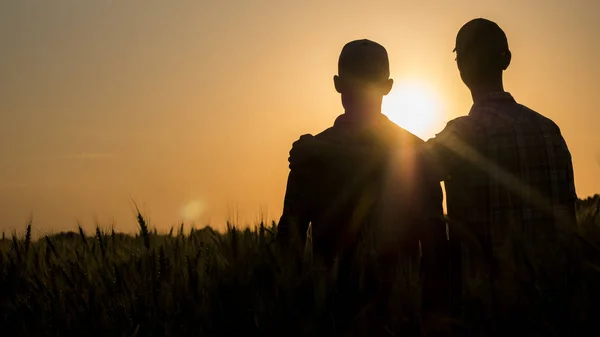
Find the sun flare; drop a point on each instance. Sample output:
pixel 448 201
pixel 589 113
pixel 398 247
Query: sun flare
pixel 192 210
pixel 415 107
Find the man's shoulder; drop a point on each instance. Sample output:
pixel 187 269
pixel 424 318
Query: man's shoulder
pixel 327 133
pixel 401 135
pixel 463 126
pixel 532 116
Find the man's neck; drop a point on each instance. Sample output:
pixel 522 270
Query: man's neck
pixel 362 112
pixel 479 92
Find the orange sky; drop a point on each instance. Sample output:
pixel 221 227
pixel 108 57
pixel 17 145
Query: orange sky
pixel 172 102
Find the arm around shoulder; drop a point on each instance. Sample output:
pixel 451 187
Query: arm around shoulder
pixel 454 145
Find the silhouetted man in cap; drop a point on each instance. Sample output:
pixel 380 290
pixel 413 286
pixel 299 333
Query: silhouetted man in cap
pixel 506 168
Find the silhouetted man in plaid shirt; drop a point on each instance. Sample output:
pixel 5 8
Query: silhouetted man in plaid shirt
pixel 506 168
pixel 387 199
pixel 341 198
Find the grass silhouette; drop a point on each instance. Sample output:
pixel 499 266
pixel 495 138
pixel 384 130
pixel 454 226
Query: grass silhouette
pixel 205 283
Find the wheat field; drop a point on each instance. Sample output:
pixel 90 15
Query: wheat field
pixel 206 283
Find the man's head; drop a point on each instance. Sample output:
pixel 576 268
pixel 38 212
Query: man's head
pixel 363 74
pixel 482 52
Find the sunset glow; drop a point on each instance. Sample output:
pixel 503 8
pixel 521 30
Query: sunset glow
pixel 414 107
pixel 192 210
pixel 192 105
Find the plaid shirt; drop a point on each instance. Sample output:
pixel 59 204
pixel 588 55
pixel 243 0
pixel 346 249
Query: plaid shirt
pixel 339 196
pixel 505 165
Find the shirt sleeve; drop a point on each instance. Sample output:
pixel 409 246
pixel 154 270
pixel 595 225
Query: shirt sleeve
pixel 295 217
pixel 448 150
pixel 567 195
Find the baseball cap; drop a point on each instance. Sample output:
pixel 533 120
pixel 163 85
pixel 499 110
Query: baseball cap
pixel 481 34
pixel 364 60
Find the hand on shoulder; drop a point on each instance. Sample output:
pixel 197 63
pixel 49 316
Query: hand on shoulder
pixel 461 129
pixel 302 150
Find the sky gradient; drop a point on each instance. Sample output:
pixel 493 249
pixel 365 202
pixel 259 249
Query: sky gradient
pixel 190 107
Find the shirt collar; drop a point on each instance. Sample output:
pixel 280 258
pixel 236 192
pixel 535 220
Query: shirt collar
pixel 493 98
pixel 358 121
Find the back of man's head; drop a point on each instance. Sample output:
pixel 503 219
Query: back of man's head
pixel 364 61
pixel 482 48
pixel 363 72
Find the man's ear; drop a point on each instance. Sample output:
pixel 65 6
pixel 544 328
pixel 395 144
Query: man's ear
pixel 337 82
pixel 386 87
pixel 507 58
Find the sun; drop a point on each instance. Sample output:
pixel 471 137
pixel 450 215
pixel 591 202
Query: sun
pixel 415 107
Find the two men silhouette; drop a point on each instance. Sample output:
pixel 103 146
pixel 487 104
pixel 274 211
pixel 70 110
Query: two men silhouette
pixel 506 168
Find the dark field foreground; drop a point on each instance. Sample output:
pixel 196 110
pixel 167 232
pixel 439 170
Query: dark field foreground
pixel 240 284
